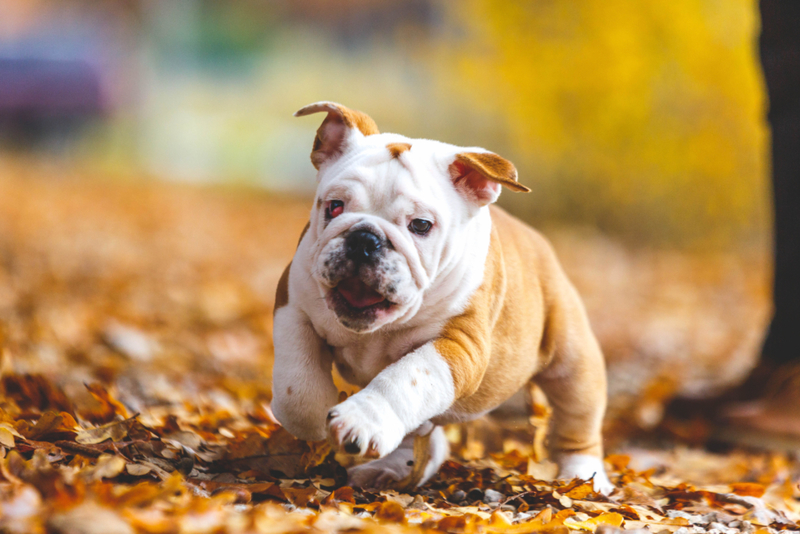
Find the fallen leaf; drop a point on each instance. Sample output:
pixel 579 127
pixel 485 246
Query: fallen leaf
pixel 50 424
pixel 138 470
pixel 109 407
pixel 748 489
pixel 390 511
pixel 610 519
pixel 115 431
pixel 6 438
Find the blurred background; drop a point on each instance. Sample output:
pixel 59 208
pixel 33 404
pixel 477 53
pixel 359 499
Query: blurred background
pixel 153 180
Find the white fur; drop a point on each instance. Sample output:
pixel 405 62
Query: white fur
pixel 396 402
pixel 585 467
pixel 303 389
pixel 395 467
pixel 447 266
pixel 406 382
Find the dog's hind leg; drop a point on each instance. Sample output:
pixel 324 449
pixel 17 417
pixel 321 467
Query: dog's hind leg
pixel 397 466
pixel 575 386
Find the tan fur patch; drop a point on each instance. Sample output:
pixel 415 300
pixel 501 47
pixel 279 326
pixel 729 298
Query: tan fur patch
pixel 526 320
pixel 351 118
pixel 398 148
pixel 469 342
pixel 357 119
pixel 282 291
pixel 493 168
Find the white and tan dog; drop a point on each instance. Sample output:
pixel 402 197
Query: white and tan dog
pixel 439 306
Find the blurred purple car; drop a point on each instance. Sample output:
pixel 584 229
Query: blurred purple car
pixel 45 98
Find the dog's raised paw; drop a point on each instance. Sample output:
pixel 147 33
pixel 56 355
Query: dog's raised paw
pixel 365 425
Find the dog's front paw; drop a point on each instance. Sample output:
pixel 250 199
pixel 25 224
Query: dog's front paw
pixel 585 467
pixel 365 425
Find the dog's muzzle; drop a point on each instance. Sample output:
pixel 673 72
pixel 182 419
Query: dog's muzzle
pixel 362 246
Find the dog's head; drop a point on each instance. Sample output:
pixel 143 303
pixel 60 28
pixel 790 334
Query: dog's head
pixel 391 214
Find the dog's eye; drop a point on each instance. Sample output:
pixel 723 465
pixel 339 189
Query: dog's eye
pixel 334 209
pixel 420 226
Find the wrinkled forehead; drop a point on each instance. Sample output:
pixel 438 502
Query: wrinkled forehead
pixel 390 165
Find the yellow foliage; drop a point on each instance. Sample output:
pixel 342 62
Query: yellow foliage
pixel 644 118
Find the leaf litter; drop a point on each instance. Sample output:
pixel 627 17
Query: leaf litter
pixel 135 355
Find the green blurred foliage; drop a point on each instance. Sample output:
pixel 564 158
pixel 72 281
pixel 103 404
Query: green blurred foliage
pixel 642 118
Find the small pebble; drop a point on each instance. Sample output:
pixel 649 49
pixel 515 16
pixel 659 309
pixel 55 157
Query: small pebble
pixel 457 496
pixel 475 494
pixel 492 496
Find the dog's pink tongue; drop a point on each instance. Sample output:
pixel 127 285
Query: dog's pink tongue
pixel 357 293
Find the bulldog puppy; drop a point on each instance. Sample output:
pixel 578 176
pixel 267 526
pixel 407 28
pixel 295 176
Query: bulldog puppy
pixel 439 305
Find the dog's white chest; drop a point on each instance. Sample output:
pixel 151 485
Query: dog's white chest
pixel 359 362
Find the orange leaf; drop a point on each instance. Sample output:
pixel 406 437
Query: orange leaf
pixel 391 511
pixel 618 462
pixel 49 424
pixel 110 407
pixel 748 489
pixel 343 494
pixel 452 523
pixel 300 496
pixel 581 491
pixel 610 518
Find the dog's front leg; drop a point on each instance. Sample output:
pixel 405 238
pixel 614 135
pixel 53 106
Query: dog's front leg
pixel 406 394
pixel 302 384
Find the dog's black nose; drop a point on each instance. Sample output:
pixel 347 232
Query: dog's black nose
pixel 362 246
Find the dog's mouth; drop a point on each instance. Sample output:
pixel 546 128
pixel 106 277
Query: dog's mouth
pixel 359 296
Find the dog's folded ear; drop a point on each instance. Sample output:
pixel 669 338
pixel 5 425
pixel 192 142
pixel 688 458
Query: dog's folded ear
pixel 479 175
pixel 336 130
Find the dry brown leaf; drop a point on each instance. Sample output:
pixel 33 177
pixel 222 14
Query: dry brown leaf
pixel 6 437
pixel 35 391
pixel 107 466
pixel 109 407
pixel 207 451
pixel 50 424
pixel 138 470
pixel 115 431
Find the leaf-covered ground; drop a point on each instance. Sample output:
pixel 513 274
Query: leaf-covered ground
pixel 135 354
